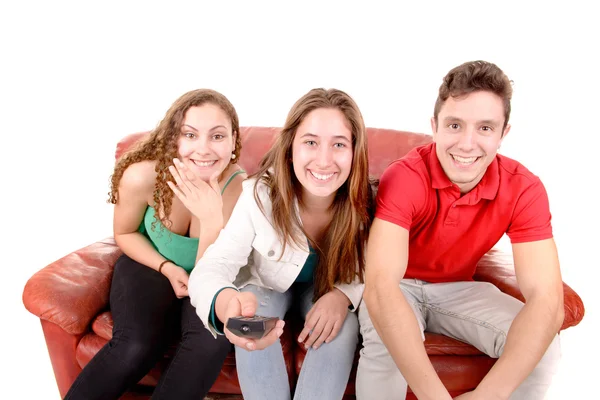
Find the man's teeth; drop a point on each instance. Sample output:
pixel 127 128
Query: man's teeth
pixel 320 176
pixel 204 163
pixel 464 160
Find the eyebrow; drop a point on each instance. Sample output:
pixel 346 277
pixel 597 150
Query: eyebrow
pixel 484 121
pixel 211 129
pixel 342 137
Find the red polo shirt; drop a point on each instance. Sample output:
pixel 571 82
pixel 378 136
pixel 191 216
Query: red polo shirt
pixel 449 233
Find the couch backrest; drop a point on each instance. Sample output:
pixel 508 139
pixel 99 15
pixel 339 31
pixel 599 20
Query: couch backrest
pixel 385 146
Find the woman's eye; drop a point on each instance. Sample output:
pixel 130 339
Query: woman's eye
pixel 339 145
pixel 218 136
pixel 189 135
pixel 311 143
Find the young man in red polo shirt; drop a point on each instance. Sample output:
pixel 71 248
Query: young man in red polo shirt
pixel 439 210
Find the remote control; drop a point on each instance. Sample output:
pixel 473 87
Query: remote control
pixel 255 327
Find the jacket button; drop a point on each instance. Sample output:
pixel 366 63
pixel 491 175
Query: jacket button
pixel 270 253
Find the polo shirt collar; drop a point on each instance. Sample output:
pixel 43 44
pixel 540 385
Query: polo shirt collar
pixel 439 179
pixel 487 188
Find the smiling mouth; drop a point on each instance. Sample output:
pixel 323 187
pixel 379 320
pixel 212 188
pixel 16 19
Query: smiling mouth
pixel 321 177
pixel 204 164
pixel 465 160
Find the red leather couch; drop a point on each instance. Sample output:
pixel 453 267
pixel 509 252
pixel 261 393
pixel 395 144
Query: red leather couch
pixel 70 296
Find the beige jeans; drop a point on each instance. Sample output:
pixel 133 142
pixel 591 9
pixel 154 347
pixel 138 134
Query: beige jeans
pixel 474 312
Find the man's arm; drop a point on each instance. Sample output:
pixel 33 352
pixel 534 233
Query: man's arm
pixel 538 274
pixel 392 316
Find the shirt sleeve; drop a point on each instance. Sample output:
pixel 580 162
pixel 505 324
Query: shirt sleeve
pixel 223 259
pixel 217 325
pixel 531 216
pixel 353 291
pixel 401 194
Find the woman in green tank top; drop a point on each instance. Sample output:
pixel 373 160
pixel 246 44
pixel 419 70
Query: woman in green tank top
pixel 173 193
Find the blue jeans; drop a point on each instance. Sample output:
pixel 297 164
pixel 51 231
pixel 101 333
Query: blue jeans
pixel 325 371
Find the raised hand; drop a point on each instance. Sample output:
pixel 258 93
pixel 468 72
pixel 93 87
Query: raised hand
pixel 244 303
pixel 202 199
pixel 325 319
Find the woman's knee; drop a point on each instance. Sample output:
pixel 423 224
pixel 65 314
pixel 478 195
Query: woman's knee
pixel 135 350
pixel 346 339
pixel 202 344
pixel 350 328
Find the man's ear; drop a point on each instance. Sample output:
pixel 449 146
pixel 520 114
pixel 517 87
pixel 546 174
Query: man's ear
pixel 504 133
pixel 433 127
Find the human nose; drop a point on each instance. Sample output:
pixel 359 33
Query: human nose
pixel 324 156
pixel 202 145
pixel 466 140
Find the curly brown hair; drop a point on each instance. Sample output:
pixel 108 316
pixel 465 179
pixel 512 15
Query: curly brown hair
pixel 161 146
pixel 342 251
pixel 474 76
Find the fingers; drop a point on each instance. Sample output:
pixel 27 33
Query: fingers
pixel 245 304
pixel 244 343
pixel 184 172
pixel 176 191
pixel 182 286
pixel 309 325
pixel 324 334
pixel 182 184
pixel 182 292
pixel 334 332
pixel 317 331
pixel 271 337
pixel 257 344
pixel 248 303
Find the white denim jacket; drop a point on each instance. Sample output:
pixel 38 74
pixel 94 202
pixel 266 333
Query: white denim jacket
pixel 247 252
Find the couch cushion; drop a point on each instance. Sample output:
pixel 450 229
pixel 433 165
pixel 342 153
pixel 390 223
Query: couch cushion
pixel 460 366
pixel 387 144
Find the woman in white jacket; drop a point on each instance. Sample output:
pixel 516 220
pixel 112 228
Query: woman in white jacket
pixel 296 237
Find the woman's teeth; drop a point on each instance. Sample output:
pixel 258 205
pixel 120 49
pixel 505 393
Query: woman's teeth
pixel 205 163
pixel 321 176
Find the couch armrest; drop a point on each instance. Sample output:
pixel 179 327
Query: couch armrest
pixel 497 268
pixel 70 292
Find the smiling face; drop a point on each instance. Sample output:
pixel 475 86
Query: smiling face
pixel 467 135
pixel 206 140
pixel 322 153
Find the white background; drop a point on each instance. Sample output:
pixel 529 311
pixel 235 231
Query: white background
pixel 76 77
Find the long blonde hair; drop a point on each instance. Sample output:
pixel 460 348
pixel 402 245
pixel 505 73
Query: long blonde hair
pixel 342 251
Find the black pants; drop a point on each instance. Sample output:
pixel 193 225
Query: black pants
pixel 144 309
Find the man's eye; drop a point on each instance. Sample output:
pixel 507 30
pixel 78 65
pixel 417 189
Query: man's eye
pixel 486 128
pixel 453 126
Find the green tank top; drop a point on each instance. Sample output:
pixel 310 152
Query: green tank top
pixel 182 250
